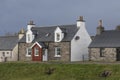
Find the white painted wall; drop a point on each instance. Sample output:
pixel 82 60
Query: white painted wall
pixel 79 48
pixel 11 55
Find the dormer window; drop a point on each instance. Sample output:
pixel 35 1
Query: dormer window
pixel 58 35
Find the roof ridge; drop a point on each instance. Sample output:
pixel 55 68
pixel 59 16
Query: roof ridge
pixel 53 26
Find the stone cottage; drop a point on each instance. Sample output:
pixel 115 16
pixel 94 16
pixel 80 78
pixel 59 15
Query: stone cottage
pixel 105 45
pixel 55 43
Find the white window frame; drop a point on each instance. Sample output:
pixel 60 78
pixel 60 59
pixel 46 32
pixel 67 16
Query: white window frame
pixel 57 36
pixel 29 50
pixel 57 52
pixel 36 51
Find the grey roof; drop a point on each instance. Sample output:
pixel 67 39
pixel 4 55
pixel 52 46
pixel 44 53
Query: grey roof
pixel 42 44
pixel 8 42
pixel 46 34
pixel 110 38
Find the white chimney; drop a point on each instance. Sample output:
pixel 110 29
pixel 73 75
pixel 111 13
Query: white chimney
pixel 29 33
pixel 30 25
pixel 80 22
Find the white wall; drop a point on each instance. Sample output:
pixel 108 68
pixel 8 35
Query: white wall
pixel 79 48
pixel 10 55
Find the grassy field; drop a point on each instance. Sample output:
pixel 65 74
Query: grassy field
pixel 40 71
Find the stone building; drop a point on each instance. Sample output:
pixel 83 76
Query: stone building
pixel 55 43
pixel 105 45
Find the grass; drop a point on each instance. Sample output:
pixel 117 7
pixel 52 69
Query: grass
pixel 37 71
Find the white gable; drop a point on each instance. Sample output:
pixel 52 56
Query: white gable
pixel 35 44
pixel 80 43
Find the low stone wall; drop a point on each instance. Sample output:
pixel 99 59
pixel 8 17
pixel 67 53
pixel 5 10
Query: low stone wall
pixel 108 56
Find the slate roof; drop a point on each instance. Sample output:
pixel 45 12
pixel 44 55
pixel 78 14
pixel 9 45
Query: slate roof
pixel 109 39
pixel 46 34
pixel 8 42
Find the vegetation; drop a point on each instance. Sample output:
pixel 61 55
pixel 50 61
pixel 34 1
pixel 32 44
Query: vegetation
pixel 54 71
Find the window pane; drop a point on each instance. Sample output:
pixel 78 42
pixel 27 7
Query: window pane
pixel 29 51
pixel 57 51
pixel 36 51
pixel 28 37
pixel 58 36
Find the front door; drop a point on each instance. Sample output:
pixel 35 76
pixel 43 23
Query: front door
pixel 45 55
pixel 36 53
pixel 118 54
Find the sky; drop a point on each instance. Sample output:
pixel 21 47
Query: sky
pixel 15 14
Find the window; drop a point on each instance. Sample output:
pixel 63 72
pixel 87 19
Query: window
pixel 101 52
pixel 29 52
pixel 7 52
pixel 3 54
pixel 57 52
pixel 28 37
pixel 36 51
pixel 57 36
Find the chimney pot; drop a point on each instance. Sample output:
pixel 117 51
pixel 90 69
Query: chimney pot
pixel 100 23
pixel 31 23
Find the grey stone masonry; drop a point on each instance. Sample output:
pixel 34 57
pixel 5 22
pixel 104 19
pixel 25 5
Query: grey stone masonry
pixel 109 54
pixel 23 50
pixel 65 51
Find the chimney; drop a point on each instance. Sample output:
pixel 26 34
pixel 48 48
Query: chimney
pixel 21 33
pixel 100 28
pixel 80 22
pixel 30 25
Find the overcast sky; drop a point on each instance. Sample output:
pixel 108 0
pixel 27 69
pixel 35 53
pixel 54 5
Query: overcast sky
pixel 15 14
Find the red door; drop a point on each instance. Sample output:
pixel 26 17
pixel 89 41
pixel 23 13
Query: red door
pixel 36 53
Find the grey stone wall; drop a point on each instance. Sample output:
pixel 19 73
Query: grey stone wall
pixel 22 51
pixel 108 56
pixel 65 51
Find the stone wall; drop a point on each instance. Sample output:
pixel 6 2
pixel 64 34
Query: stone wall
pixel 108 56
pixel 65 51
pixel 23 50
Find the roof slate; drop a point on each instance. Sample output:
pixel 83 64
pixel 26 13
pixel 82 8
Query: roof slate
pixel 109 38
pixel 46 34
pixel 8 42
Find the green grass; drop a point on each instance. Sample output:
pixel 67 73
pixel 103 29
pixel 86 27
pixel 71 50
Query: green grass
pixel 36 71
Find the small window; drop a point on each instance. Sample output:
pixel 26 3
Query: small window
pixel 101 52
pixel 28 37
pixel 7 52
pixel 77 38
pixel 57 52
pixel 29 52
pixel 57 36
pixel 3 53
pixel 36 51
